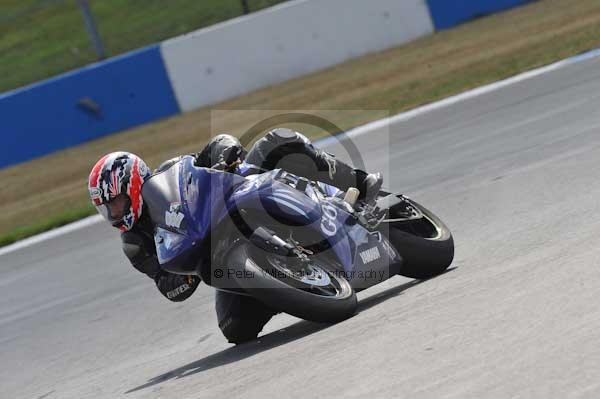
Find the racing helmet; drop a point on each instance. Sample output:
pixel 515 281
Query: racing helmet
pixel 115 187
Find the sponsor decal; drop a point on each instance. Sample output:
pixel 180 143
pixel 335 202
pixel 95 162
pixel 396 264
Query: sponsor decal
pixel 391 253
pixel 388 248
pixel 95 193
pixel 328 219
pixel 173 217
pixel 177 291
pixel 144 171
pixel 369 255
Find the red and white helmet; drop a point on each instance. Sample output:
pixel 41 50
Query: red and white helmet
pixel 115 186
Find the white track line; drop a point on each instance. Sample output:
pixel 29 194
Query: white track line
pixel 360 130
pixel 355 132
pixel 51 234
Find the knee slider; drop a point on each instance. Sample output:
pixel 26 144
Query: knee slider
pixel 238 330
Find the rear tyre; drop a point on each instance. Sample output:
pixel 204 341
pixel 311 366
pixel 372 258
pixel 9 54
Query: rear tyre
pixel 426 244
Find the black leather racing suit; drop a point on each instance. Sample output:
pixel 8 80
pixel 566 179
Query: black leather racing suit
pixel 240 318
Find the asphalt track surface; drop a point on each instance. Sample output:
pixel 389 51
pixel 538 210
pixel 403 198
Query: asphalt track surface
pixel 515 173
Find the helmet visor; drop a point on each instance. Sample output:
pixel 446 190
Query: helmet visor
pixel 114 210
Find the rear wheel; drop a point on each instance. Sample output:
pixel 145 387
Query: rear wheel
pixel 313 288
pixel 423 240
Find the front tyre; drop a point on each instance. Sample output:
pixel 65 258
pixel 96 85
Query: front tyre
pixel 314 291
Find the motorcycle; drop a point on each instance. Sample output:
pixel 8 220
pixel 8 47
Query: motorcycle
pixel 298 246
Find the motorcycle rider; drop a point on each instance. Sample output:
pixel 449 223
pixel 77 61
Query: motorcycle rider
pixel 115 184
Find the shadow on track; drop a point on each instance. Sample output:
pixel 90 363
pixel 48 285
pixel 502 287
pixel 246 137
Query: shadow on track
pixel 272 340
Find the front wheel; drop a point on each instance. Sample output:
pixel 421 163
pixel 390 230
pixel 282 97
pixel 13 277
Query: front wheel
pixel 313 290
pixel 423 240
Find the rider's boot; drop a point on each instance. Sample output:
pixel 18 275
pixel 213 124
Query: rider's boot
pixel 343 176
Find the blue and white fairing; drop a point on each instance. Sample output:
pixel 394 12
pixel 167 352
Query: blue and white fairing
pixel 206 197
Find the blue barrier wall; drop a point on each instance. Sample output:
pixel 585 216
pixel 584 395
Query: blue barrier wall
pixel 449 13
pixel 85 104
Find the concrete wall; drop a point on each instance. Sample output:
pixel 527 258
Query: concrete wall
pixel 285 42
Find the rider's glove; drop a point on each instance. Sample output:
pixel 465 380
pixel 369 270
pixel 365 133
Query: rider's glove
pixel 229 158
pixel 176 287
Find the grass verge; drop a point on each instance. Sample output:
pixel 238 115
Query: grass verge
pixel 42 38
pixel 57 220
pixel 447 63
